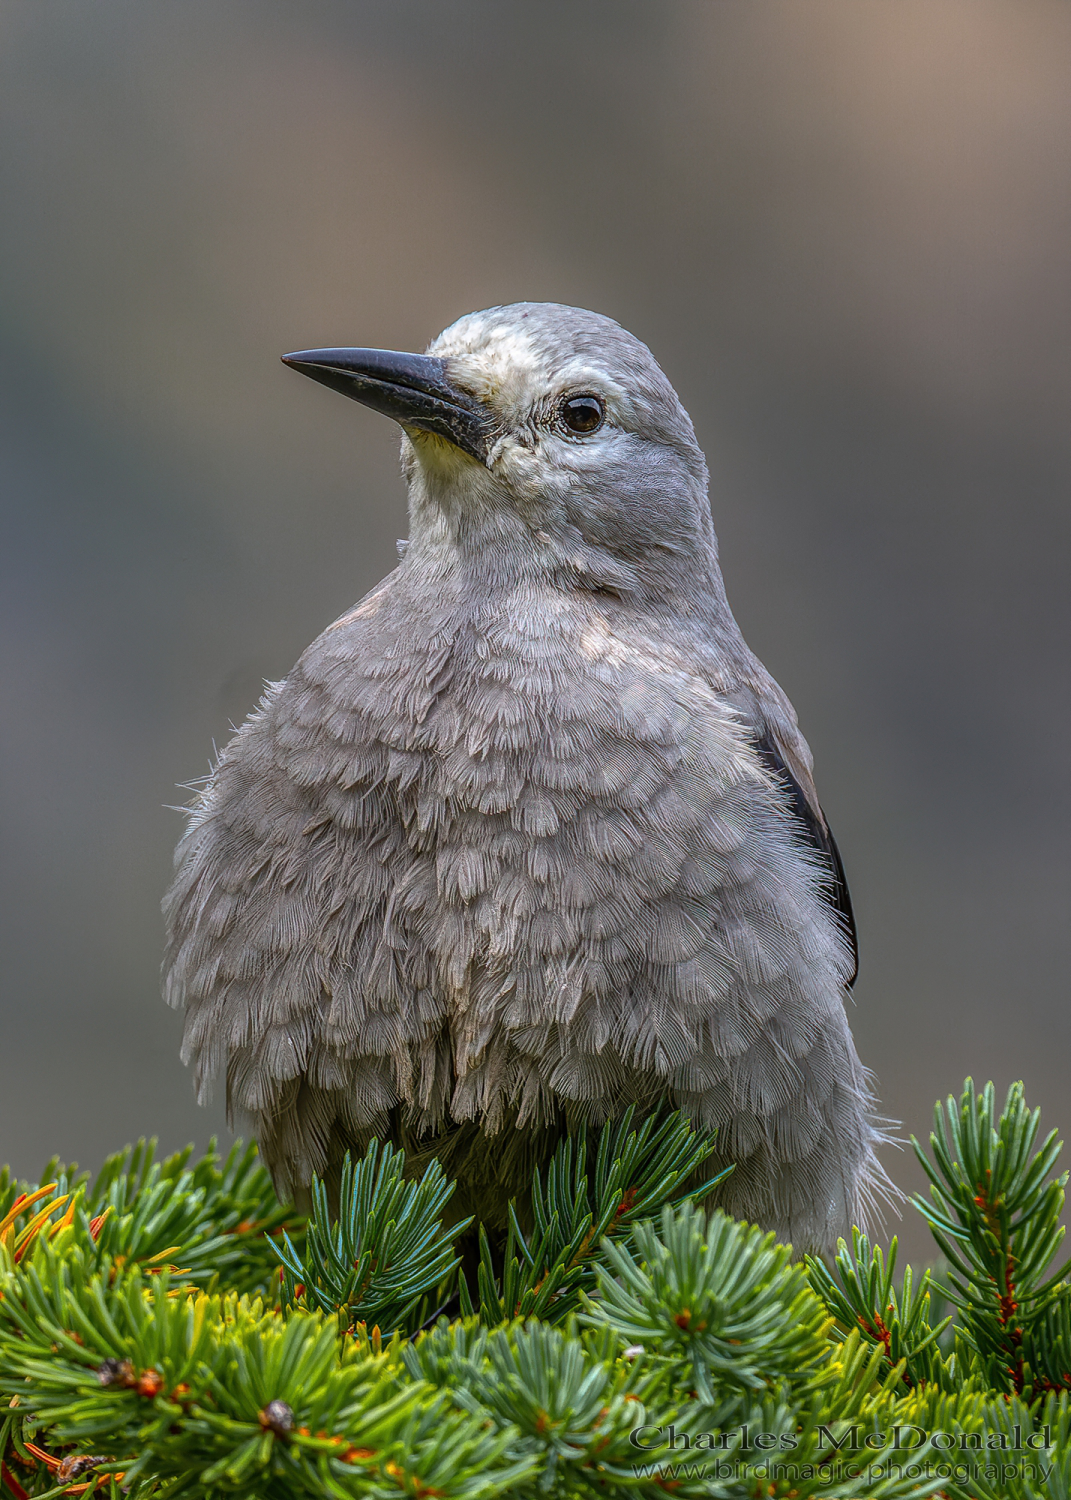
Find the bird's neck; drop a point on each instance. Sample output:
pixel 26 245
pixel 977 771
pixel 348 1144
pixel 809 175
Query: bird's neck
pixel 463 524
pixel 470 537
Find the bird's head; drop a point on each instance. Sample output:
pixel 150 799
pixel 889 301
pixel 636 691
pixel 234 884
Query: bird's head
pixel 544 437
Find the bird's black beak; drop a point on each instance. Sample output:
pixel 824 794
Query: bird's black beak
pixel 414 389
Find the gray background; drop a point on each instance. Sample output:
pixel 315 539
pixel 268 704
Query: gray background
pixel 843 227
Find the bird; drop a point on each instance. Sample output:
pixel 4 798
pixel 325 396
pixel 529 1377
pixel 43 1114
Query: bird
pixel 529 836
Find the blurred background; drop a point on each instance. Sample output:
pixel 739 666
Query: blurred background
pixel 845 231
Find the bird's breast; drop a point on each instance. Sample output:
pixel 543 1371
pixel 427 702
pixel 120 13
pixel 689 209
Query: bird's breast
pixel 554 795
pixel 468 866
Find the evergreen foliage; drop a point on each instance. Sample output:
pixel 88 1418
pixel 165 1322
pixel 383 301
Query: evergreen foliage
pixel 635 1172
pixel 167 1330
pixel 385 1250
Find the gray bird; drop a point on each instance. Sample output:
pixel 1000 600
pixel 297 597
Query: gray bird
pixel 529 834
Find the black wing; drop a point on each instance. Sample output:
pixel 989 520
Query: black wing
pixel 818 834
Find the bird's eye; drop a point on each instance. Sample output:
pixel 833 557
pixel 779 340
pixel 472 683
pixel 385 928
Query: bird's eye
pixel 582 413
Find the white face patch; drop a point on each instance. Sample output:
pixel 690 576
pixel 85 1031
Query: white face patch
pixel 513 372
pixel 499 363
pixel 498 343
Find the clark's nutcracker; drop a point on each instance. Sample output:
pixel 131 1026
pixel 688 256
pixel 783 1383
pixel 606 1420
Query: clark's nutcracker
pixel 529 834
